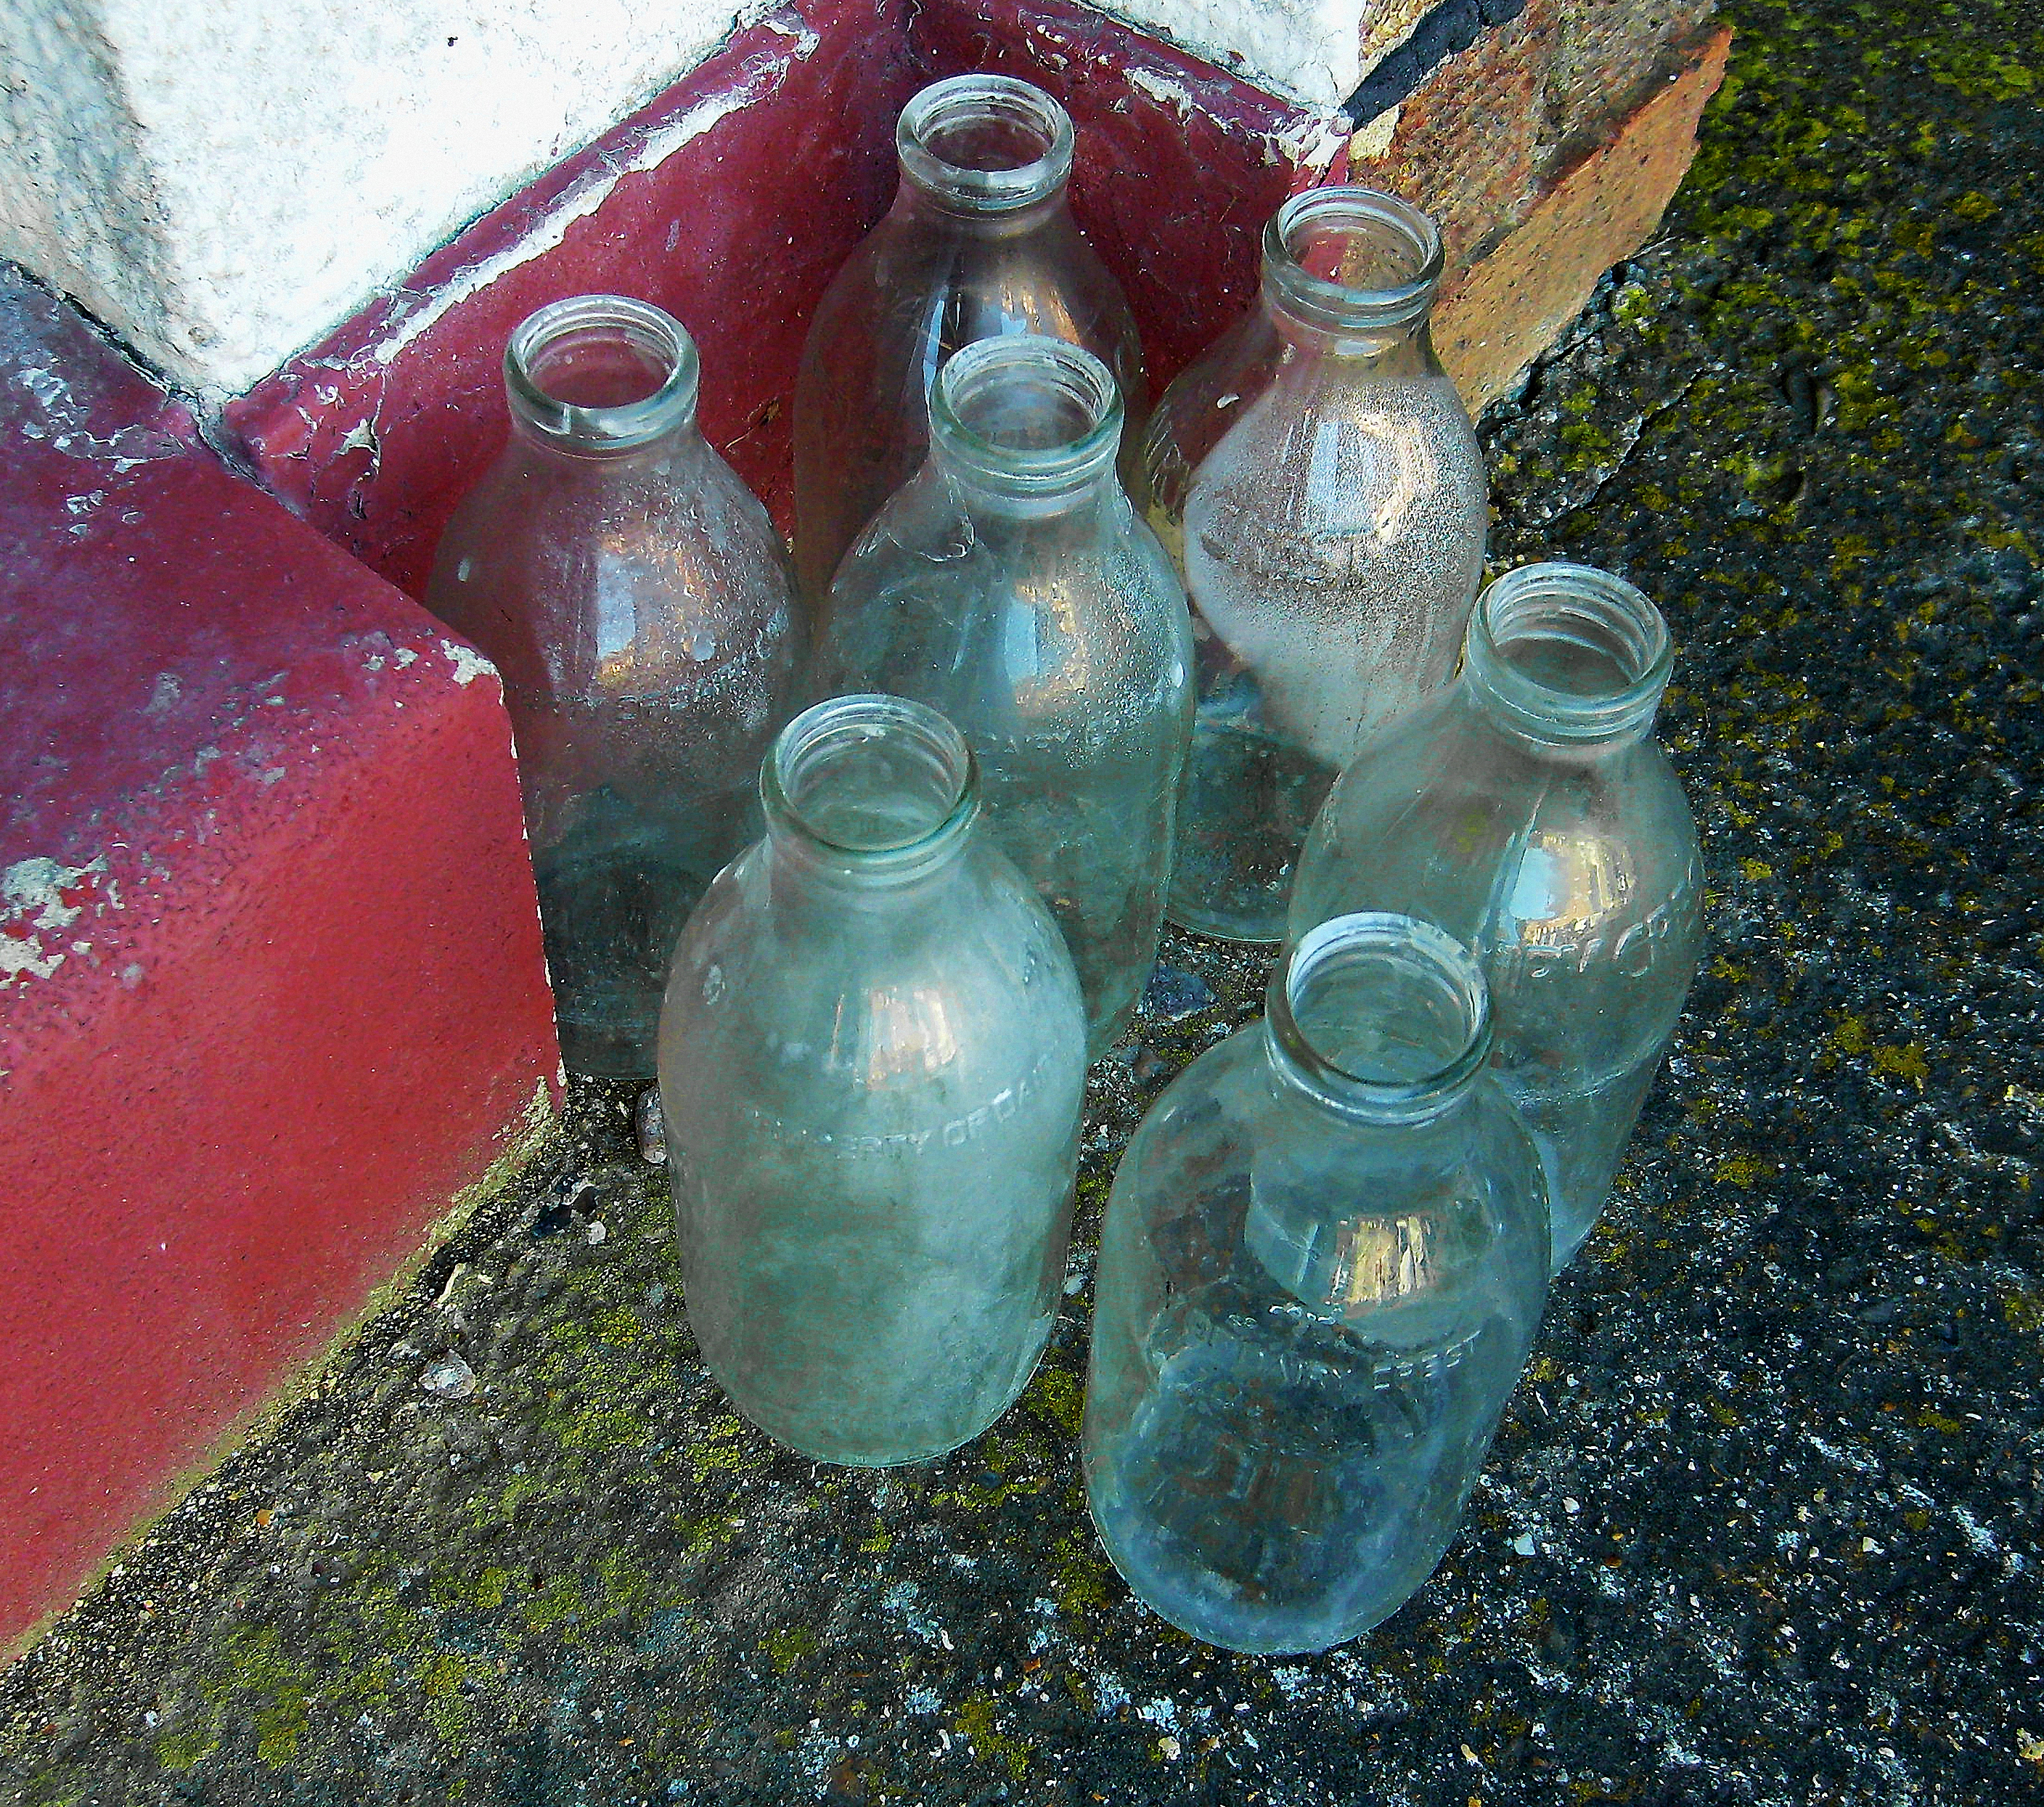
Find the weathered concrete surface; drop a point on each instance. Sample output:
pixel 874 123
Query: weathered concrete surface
pixel 1762 1525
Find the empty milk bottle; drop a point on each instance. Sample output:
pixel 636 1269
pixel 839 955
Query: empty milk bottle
pixel 1324 1260
pixel 1317 477
pixel 634 599
pixel 1528 811
pixel 871 1061
pixel 1011 585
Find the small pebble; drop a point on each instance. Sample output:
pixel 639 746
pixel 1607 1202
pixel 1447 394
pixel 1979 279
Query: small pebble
pixel 598 1231
pixel 448 1377
pixel 651 1126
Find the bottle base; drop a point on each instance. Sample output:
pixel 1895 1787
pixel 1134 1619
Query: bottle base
pixel 1244 1634
pixel 878 1455
pixel 1246 932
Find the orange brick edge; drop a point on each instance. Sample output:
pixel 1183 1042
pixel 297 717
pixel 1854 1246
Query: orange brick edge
pixel 1509 306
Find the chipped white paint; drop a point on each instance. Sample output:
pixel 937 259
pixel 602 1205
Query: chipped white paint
pixel 1317 52
pixel 32 907
pixel 468 664
pixel 60 419
pixel 145 171
pixel 1163 88
pixel 33 891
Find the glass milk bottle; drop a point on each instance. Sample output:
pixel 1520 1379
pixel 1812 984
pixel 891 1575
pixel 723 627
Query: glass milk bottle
pixel 1324 1260
pixel 634 599
pixel 1529 811
pixel 871 1061
pixel 980 242
pixel 1010 585
pixel 1318 479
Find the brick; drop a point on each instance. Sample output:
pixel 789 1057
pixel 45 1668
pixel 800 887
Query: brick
pixel 271 993
pixel 1506 308
pixel 1489 141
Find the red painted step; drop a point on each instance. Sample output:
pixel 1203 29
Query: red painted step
pixel 731 201
pixel 271 985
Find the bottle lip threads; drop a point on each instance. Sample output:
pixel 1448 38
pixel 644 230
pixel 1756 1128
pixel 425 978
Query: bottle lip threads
pixel 1352 261
pixel 1028 415
pixel 876 785
pixel 1567 653
pixel 1380 1017
pixel 600 373
pixel 985 144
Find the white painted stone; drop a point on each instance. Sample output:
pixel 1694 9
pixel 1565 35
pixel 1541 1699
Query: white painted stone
pixel 223 181
pixel 1314 50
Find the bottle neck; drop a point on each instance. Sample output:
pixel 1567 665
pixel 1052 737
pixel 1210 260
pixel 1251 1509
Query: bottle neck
pixel 1569 658
pixel 602 381
pixel 871 795
pixel 1378 1020
pixel 916 205
pixel 985 153
pixel 1351 273
pixel 1027 427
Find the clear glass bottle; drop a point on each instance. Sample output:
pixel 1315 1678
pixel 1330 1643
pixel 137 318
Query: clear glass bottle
pixel 1317 477
pixel 1528 811
pixel 1011 585
pixel 634 599
pixel 980 242
pixel 1322 1263
pixel 872 1061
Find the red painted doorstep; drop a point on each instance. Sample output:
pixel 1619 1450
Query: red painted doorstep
pixel 731 201
pixel 271 987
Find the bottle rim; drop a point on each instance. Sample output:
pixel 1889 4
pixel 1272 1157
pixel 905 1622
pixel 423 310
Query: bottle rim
pixel 842 727
pixel 651 331
pixel 1389 242
pixel 1578 606
pixel 1426 954
pixel 975 414
pixel 963 103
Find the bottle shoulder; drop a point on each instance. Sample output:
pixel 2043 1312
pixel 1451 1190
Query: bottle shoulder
pixel 664 585
pixel 934 586
pixel 1375 1230
pixel 962 972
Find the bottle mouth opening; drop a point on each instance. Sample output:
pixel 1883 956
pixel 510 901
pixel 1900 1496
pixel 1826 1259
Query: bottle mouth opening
pixel 1034 414
pixel 1572 653
pixel 600 372
pixel 1381 1015
pixel 1345 258
pixel 985 144
pixel 876 781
